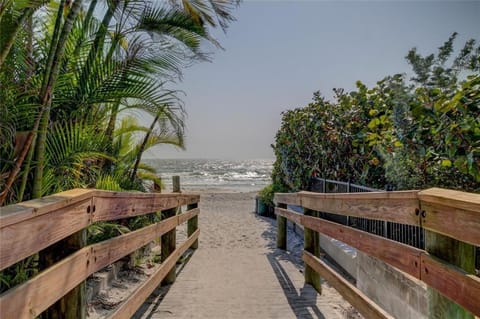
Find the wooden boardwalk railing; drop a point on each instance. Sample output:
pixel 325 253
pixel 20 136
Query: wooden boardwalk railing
pixel 29 227
pixel 452 221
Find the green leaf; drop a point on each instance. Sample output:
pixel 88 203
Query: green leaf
pixel 446 163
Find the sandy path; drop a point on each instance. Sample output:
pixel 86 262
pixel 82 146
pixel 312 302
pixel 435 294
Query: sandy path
pixel 238 273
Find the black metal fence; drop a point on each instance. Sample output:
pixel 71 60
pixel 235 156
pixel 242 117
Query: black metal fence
pixel 407 234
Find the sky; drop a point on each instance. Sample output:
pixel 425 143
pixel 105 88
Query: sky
pixel 278 53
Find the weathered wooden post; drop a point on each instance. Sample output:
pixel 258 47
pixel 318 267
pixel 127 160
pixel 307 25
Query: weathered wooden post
pixel 312 239
pixel 74 304
pixel 282 229
pixel 176 184
pixel 437 208
pixel 192 225
pixel 312 245
pixel 169 239
pixel 457 253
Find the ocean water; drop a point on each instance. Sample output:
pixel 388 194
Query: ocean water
pixel 233 175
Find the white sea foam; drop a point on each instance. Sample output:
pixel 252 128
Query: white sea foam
pixel 238 175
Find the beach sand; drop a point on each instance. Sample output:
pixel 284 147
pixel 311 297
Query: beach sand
pixel 237 272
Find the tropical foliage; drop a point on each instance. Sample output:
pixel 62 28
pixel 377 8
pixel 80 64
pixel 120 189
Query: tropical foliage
pixel 71 75
pixel 403 133
pixel 70 69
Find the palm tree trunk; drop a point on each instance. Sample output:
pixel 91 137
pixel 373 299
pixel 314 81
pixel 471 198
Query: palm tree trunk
pixel 142 148
pixel 99 41
pixel 9 39
pixel 52 49
pixel 86 24
pixel 46 96
pixel 13 174
pixel 30 59
pixel 26 171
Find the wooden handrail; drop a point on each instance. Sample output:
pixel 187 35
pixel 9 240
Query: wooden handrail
pixel 288 199
pixel 452 213
pixel 13 214
pixel 400 207
pixel 401 256
pixel 31 226
pixel 352 294
pixel 31 222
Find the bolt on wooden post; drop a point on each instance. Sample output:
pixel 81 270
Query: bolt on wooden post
pixel 282 230
pixel 169 239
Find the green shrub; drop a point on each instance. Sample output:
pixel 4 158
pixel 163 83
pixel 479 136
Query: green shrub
pixel 410 134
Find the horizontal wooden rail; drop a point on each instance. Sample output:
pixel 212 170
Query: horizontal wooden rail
pixel 28 236
pixel 110 206
pixel 352 294
pixel 128 308
pixel 288 198
pixel 30 223
pixel 452 282
pixel 29 299
pixel 13 214
pixel 182 218
pixel 400 207
pixel 401 256
pixel 452 213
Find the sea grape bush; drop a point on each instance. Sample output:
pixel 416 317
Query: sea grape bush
pixel 404 133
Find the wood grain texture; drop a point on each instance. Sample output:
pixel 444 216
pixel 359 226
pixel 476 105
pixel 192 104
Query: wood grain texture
pixel 401 256
pixel 168 242
pixel 40 223
pixel 452 282
pixel 290 215
pixel 14 214
pixel 355 297
pixel 129 204
pixel 452 213
pixel 138 297
pixel 192 225
pixel 25 238
pixel 29 299
pixel 448 197
pixel 120 205
pixel 399 207
pixel 311 244
pixel 182 218
pixel 109 251
pixel 287 198
pixel 113 205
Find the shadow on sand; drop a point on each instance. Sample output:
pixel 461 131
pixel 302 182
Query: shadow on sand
pixel 303 302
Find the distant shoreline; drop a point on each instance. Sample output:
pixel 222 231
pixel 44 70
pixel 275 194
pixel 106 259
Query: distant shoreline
pixel 215 190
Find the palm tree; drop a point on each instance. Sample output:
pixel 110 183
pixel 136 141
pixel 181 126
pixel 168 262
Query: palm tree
pixel 89 69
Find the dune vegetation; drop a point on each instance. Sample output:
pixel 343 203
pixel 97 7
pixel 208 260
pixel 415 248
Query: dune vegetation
pixel 403 133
